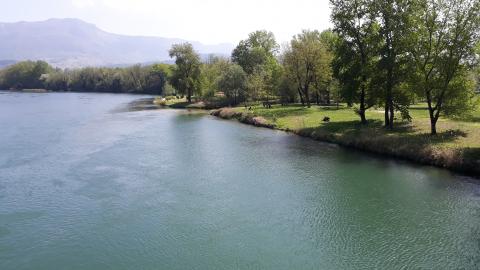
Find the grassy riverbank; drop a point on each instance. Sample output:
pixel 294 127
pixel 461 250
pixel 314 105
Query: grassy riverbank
pixel 456 147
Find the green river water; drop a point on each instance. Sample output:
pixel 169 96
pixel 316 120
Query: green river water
pixel 87 183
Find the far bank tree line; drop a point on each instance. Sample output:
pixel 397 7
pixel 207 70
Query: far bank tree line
pixel 40 75
pixel 386 54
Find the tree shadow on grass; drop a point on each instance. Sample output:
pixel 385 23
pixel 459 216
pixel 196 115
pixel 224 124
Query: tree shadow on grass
pixel 349 126
pixel 404 134
pixel 283 111
pixel 331 108
pixel 472 153
pixel 470 119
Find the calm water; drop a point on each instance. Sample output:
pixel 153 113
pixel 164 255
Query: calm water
pixel 87 184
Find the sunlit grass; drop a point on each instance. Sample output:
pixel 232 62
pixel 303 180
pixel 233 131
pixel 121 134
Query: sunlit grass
pixel 456 137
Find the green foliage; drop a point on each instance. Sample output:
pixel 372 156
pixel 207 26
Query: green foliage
pixel 24 75
pixel 287 89
pixel 211 71
pixel 307 62
pixel 443 53
pixel 396 24
pixel 356 53
pixel 186 74
pixel 257 83
pixel 257 56
pixel 257 50
pixel 233 83
pixel 135 79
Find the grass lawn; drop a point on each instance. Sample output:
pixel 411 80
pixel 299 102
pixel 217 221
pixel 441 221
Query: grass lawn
pixel 464 132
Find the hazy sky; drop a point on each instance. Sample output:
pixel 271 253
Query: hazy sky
pixel 208 21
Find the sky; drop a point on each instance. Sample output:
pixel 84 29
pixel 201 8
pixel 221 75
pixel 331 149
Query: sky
pixel 207 21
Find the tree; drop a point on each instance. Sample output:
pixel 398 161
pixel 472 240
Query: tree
pixel 134 79
pixel 211 71
pixel 287 89
pixel 443 49
pixel 476 70
pixel 255 51
pixel 355 52
pixel 156 78
pixel 324 73
pixel 25 75
pixel 233 83
pixel 257 83
pixel 57 80
pixel 257 56
pixel 186 75
pixel 395 22
pixel 304 59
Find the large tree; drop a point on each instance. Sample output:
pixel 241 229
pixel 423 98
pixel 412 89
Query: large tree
pixel 212 69
pixel 355 51
pixel 256 50
pixel 233 83
pixel 186 74
pixel 257 55
pixel 443 49
pixel 395 28
pixel 324 74
pixel 304 59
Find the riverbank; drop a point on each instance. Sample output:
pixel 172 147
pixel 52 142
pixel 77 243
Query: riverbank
pixel 456 147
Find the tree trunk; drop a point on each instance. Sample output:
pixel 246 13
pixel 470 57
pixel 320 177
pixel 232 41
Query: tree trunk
pixel 189 95
pixel 387 117
pixel 431 113
pixel 392 114
pixel 301 96
pixel 362 117
pixel 362 107
pixel 307 96
pixel 389 110
pixel 433 126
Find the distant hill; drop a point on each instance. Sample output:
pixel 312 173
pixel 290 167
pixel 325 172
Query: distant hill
pixel 75 43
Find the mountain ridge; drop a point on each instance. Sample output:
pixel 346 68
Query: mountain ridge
pixel 71 42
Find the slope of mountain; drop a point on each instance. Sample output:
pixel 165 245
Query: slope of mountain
pixel 75 43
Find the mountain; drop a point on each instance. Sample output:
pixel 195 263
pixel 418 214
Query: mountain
pixel 75 43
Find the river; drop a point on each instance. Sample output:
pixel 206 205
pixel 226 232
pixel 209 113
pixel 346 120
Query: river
pixel 88 183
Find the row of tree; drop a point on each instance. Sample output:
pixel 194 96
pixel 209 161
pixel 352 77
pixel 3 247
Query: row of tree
pixel 391 52
pixel 380 53
pixel 135 79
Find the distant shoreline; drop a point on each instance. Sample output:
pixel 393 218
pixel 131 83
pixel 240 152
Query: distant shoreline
pixel 31 90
